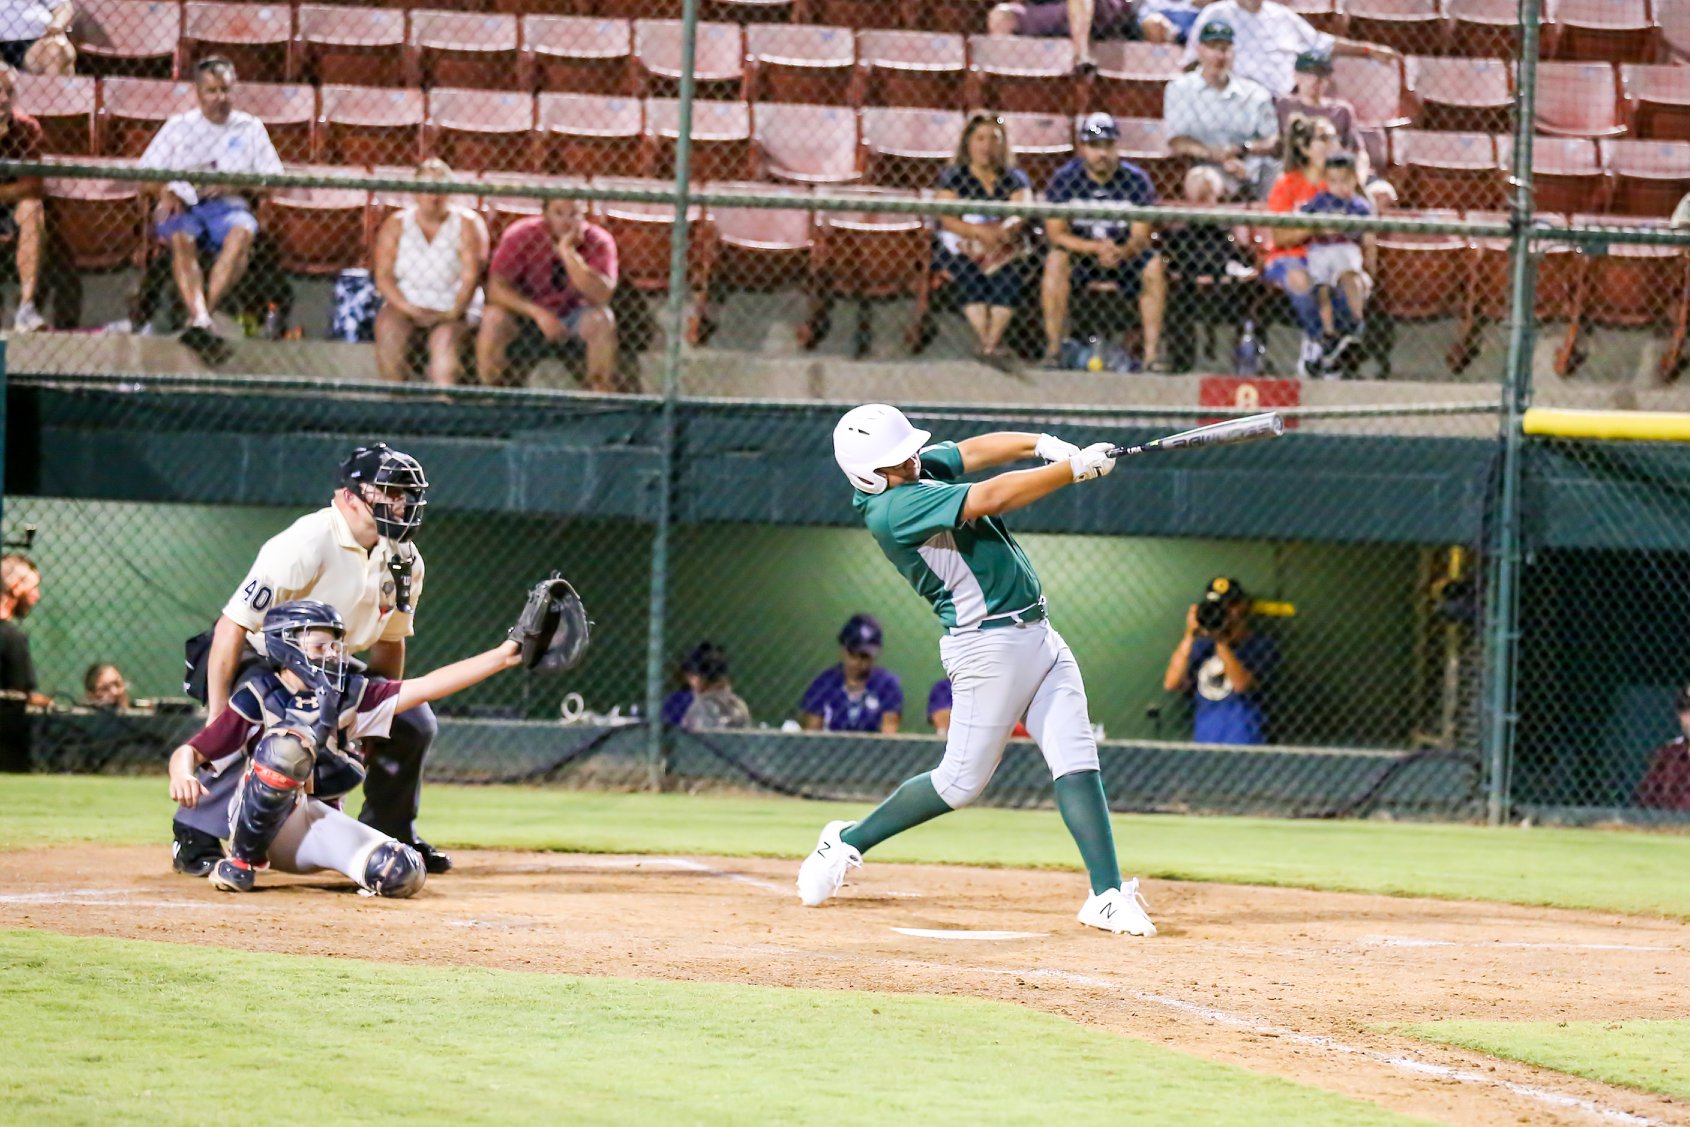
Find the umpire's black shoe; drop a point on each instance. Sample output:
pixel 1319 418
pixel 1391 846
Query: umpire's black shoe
pixel 194 852
pixel 434 861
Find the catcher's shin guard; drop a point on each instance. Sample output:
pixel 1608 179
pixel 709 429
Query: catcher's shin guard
pixel 271 786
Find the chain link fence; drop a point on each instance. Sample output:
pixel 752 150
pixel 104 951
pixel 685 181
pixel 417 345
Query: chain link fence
pixel 442 225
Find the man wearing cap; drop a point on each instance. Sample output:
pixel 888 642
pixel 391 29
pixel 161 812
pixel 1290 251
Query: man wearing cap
pixel 1223 666
pixel 856 695
pixel 1269 37
pixel 1216 117
pixel 1117 253
pixel 709 700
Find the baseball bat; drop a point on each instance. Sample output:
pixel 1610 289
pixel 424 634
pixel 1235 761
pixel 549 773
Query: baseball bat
pixel 1231 432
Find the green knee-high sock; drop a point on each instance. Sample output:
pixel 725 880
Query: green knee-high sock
pixel 913 803
pixel 1086 813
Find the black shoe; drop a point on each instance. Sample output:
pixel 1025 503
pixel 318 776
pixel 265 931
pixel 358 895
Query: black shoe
pixel 207 345
pixel 434 861
pixel 194 852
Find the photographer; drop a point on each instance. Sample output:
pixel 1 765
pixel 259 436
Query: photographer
pixel 1224 666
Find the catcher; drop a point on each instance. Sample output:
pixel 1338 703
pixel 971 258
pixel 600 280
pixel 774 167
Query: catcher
pixel 296 726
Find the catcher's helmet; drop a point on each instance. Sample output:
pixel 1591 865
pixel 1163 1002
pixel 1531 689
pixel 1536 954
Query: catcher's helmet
pixel 393 869
pixel 320 663
pixel 388 471
pixel 872 437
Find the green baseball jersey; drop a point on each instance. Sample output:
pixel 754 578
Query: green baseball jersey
pixel 968 570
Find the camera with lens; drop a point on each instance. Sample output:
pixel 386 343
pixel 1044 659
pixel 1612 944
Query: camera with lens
pixel 1211 616
pixel 1214 610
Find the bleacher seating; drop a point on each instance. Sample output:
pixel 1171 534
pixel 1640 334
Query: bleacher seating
pixel 257 38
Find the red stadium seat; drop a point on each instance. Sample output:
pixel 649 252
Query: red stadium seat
pixel 467 50
pixel 132 109
pixel 1131 77
pixel 523 8
pixel 748 11
pixel 1374 87
pixel 860 14
pixel 641 9
pixel 64 107
pixel 906 148
pixel 1421 277
pixel 591 135
pixel 799 63
pixel 1042 143
pixel 721 138
pixel 643 233
pixel 718 58
pixel 1484 28
pixel 1487 294
pixel 1144 141
pixel 1447 170
pixel 368 125
pixel 289 114
pixel 257 38
pixel 132 38
pixel 952 17
pixel 1413 27
pixel 911 68
pixel 807 144
pixel 580 55
pixel 357 46
pixel 318 231
pixel 1016 74
pixel 1606 30
pixel 1629 286
pixel 1673 16
pixel 1323 14
pixel 1659 100
pixel 481 129
pixel 100 222
pixel 1649 177
pixel 1462 94
pixel 759 248
pixel 865 255
pixel 1578 100
pixel 1566 174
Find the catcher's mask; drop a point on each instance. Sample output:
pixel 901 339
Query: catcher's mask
pixel 308 638
pixel 392 484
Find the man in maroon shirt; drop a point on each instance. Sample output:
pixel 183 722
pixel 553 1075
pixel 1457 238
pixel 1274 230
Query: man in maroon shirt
pixel 1666 785
pixel 549 285
pixel 22 217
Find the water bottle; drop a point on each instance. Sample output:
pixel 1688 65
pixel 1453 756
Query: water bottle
pixel 273 322
pixel 1247 357
pixel 1094 354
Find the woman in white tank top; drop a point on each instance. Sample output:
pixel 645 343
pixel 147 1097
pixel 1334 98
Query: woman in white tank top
pixel 428 264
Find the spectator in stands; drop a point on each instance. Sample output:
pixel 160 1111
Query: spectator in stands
pixel 1666 784
pixel 428 264
pixel 1217 117
pixel 35 36
pixel 985 255
pixel 1335 264
pixel 1211 275
pixel 22 214
pixel 708 701
pixel 103 686
pixel 20 591
pixel 1308 141
pixel 1084 252
pixel 856 695
pixel 1312 98
pixel 1080 20
pixel 1681 214
pixel 549 288
pixel 1269 37
pixel 1167 21
pixel 214 219
pixel 1223 666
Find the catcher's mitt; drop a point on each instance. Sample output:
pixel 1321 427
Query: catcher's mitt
pixel 553 628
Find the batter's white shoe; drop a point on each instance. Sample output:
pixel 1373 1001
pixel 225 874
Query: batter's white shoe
pixel 823 871
pixel 1120 910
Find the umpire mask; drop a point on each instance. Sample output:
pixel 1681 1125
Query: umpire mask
pixel 392 484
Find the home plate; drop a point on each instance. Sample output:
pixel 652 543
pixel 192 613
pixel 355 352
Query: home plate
pixel 988 936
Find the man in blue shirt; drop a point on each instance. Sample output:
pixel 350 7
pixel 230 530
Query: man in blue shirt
pixel 1111 254
pixel 855 695
pixel 1223 666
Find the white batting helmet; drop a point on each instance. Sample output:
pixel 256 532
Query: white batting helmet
pixel 870 437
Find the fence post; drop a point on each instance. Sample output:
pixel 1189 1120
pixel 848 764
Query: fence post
pixel 1502 608
pixel 675 316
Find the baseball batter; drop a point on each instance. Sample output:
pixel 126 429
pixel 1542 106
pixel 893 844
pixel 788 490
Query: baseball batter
pixel 356 555
pixel 1004 658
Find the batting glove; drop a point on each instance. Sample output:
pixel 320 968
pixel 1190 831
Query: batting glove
pixel 1093 461
pixel 1052 449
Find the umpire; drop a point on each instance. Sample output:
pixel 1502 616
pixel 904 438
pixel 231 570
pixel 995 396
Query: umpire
pixel 355 555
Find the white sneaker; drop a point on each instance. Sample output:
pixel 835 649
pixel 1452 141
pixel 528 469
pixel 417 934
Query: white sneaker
pixel 823 871
pixel 1310 362
pixel 1120 910
pixel 28 319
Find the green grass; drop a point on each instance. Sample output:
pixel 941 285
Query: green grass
pixel 1653 1056
pixel 1605 870
pixel 119 1031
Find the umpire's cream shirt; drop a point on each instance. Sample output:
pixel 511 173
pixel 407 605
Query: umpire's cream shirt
pixel 317 557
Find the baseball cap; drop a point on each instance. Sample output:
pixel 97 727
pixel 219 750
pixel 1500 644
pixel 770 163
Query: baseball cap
pixel 1215 31
pixel 1315 62
pixel 1099 127
pixel 861 634
pixel 706 660
pixel 1225 590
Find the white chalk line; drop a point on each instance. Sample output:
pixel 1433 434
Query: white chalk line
pixel 981 936
pixel 1408 941
pixel 99 898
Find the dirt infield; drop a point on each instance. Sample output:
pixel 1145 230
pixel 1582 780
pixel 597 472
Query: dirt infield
pixel 1281 981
